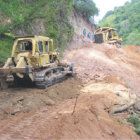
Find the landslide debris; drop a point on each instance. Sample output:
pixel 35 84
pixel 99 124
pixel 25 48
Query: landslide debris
pixel 93 62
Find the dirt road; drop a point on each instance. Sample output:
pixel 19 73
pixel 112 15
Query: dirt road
pixel 110 77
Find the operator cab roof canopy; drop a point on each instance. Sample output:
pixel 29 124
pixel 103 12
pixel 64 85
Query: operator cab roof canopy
pixel 34 37
pixel 104 29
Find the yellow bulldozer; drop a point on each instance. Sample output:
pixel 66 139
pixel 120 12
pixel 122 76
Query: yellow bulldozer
pixel 107 35
pixel 34 60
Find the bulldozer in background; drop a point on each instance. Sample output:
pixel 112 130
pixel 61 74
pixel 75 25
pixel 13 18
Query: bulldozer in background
pixel 107 35
pixel 34 60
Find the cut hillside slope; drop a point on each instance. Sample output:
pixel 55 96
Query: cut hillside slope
pixel 79 24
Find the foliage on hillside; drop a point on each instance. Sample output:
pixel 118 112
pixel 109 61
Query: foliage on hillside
pixel 20 16
pixel 86 8
pixel 135 120
pixel 42 17
pixel 127 20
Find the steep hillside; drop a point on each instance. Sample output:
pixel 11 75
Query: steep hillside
pixel 127 20
pixel 79 24
pixel 35 17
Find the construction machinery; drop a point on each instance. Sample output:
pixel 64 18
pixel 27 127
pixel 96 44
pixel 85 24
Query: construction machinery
pixel 34 60
pixel 107 35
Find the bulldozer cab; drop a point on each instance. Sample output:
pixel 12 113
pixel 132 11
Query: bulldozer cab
pixel 32 44
pixel 24 45
pixel 37 50
pixel 112 34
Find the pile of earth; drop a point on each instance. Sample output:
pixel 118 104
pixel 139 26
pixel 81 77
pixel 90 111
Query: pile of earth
pixel 93 62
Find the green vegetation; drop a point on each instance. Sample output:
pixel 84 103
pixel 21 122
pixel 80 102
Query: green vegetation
pixel 86 8
pixel 5 48
pixel 120 121
pixel 42 17
pixel 127 21
pixel 135 120
pixel 18 17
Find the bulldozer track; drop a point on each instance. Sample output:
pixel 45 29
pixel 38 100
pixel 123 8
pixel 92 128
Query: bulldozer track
pixel 44 85
pixel 51 77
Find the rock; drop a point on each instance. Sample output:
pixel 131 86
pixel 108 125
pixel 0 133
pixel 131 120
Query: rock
pixel 137 106
pixel 49 102
pixel 20 99
pixel 16 111
pixel 56 117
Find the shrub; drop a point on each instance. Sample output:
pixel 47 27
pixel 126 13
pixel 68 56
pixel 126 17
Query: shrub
pixel 135 120
pixel 86 8
pixel 133 39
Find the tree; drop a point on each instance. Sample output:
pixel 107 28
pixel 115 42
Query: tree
pixel 125 27
pixel 86 8
pixel 133 39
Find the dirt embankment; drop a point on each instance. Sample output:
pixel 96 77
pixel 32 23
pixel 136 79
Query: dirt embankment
pixel 110 78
